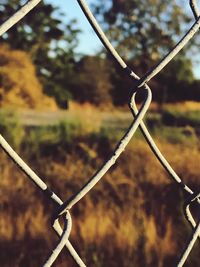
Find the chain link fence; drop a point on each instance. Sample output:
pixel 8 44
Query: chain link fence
pixel 63 208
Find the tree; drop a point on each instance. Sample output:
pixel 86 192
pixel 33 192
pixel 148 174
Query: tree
pixel 16 91
pixel 175 83
pixel 93 82
pixel 142 28
pixel 143 31
pixel 50 43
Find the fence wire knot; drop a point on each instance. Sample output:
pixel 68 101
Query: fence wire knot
pixel 63 208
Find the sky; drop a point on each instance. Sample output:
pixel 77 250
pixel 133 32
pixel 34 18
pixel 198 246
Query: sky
pixel 88 41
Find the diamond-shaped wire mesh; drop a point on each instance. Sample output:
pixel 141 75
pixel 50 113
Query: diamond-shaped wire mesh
pixel 63 208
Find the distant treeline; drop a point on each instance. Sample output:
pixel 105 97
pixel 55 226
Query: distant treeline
pixel 142 33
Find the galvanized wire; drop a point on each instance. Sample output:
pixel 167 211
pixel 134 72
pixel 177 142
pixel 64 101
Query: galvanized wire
pixel 190 245
pixel 18 15
pixel 62 208
pixel 195 9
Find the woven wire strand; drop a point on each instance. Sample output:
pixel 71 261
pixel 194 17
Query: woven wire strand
pixel 63 208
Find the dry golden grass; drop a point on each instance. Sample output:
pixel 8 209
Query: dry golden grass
pixel 128 208
pixel 20 87
pixel 179 106
pixel 184 106
pixel 133 214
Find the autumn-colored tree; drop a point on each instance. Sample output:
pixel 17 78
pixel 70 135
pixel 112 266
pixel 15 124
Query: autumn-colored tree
pixel 19 86
pixel 48 40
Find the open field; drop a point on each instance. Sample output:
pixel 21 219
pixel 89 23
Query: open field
pixel 133 217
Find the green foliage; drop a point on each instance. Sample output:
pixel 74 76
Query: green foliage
pixel 143 32
pixel 177 118
pixel 173 135
pixel 93 82
pixel 153 120
pixel 10 128
pixel 176 82
pixel 142 29
pixel 50 43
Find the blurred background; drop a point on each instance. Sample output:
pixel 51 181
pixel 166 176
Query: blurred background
pixel 64 106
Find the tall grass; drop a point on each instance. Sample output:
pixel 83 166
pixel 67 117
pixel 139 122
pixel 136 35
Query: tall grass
pixel 133 217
